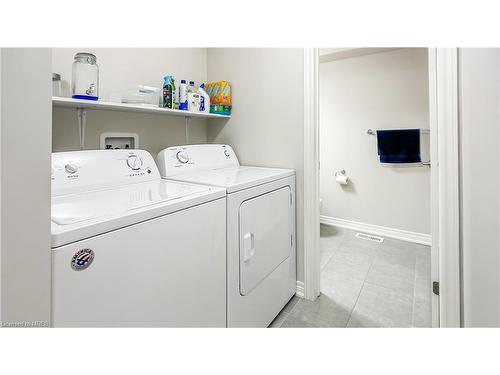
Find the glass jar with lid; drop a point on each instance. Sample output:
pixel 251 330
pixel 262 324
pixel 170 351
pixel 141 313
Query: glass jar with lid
pixel 85 78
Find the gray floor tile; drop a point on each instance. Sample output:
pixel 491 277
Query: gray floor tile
pixel 380 307
pixel 366 284
pixel 423 282
pixel 327 249
pixel 331 236
pixel 423 288
pixel 423 265
pixel 398 279
pixel 329 243
pixel 396 256
pixel 422 313
pixel 292 321
pixel 326 256
pixel 344 291
pixel 358 248
pixel 352 265
pixel 324 312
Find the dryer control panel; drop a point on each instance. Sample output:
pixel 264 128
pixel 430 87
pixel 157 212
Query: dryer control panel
pixel 78 171
pixel 178 160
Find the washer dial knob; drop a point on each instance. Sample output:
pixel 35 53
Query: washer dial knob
pixel 182 156
pixel 71 168
pixel 134 162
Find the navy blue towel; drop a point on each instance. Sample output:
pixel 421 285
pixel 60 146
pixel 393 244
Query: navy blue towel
pixel 399 145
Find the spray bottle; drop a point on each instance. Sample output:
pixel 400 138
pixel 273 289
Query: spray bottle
pixel 168 99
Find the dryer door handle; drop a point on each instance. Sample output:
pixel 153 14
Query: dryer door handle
pixel 248 246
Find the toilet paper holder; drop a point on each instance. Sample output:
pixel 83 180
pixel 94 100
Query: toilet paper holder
pixel 342 171
pixel 341 177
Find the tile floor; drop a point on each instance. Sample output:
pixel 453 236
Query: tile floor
pixel 365 284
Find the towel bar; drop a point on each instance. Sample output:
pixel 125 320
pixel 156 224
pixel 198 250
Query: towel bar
pixel 374 132
pixel 425 131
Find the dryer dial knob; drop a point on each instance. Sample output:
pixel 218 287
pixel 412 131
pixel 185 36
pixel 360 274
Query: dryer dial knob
pixel 183 157
pixel 71 168
pixel 134 162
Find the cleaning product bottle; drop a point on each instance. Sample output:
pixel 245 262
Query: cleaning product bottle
pixel 175 96
pixel 183 103
pixel 168 99
pixel 191 87
pixel 205 99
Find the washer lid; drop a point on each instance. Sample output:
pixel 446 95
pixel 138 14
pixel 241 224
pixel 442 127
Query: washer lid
pixel 82 215
pixel 75 208
pixel 235 179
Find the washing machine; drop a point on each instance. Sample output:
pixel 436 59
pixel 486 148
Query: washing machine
pixel 132 249
pixel 261 262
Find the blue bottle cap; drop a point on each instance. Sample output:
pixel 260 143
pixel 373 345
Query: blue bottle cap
pixel 183 81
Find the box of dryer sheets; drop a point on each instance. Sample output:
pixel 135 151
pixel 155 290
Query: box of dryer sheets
pixel 220 97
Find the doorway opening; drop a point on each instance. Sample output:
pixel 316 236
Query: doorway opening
pixel 358 282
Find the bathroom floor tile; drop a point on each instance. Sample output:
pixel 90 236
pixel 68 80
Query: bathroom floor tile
pixel 396 278
pixel 380 307
pixel 292 321
pixel 344 291
pixel 422 314
pixel 323 312
pixel 366 284
pixel 352 265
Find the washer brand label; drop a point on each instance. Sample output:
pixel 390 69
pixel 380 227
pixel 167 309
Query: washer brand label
pixel 82 259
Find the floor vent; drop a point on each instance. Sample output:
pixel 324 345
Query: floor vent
pixel 369 237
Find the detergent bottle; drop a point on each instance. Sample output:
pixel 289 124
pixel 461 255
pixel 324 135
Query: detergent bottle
pixel 205 99
pixel 183 100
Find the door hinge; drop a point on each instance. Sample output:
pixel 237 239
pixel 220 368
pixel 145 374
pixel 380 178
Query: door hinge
pixel 435 287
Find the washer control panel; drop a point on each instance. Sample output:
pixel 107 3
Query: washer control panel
pixel 192 158
pixel 80 171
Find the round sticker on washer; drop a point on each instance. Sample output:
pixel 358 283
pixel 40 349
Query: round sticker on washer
pixel 82 259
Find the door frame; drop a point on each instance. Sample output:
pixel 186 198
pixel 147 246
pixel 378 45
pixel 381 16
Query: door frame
pixel 311 174
pixel 445 208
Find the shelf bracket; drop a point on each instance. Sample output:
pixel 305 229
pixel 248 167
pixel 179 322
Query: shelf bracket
pixel 81 113
pixel 188 128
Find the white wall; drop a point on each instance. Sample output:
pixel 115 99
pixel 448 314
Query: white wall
pixel 0 185
pixel 383 90
pixel 479 71
pixel 25 184
pixel 120 69
pixel 267 121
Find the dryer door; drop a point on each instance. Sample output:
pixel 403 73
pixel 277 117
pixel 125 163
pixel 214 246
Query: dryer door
pixel 265 235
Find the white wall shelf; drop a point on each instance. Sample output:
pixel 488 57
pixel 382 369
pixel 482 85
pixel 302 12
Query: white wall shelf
pixel 83 105
pixel 60 102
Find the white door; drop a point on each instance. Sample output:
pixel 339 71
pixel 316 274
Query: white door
pixel 165 272
pixel 265 235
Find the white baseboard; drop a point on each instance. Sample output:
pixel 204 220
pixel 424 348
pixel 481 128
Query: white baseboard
pixel 404 235
pixel 300 289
